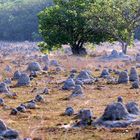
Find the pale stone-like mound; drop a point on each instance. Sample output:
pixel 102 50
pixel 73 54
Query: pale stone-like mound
pixel 115 111
pixel 58 69
pixel 39 98
pixel 46 68
pixel 33 74
pixel 133 75
pixel 54 63
pixel 31 105
pixel 117 72
pixel 83 75
pixel 8 68
pixel 21 108
pixel 78 91
pixel 137 65
pixel 24 80
pixel 138 57
pixel 72 75
pixel 67 50
pixel 79 82
pixel 119 55
pixel 73 70
pixel 105 73
pixel 2 126
pixel 111 80
pixel 86 77
pixel 69 84
pixel 10 134
pixel 85 116
pixel 133 108
pixel 114 54
pixel 69 111
pixel 123 78
pixel 120 99
pixel 3 88
pixel 1 102
pixel 7 81
pixel 46 91
pixel 45 59
pixel 7 133
pixel 14 111
pixel 135 85
pixel 117 115
pixel 109 70
pixel 34 66
pixel 17 75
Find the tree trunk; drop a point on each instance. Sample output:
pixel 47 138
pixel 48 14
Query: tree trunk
pixel 78 49
pixel 124 47
pixel 127 43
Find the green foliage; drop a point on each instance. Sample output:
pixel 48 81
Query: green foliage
pixel 119 19
pixel 65 23
pixel 19 20
pixel 43 47
pixel 90 46
pixel 76 22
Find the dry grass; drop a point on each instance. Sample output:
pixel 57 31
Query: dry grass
pixel 44 121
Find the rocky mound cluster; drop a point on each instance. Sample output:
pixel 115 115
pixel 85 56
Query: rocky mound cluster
pixel 7 133
pixel 117 114
pixel 114 55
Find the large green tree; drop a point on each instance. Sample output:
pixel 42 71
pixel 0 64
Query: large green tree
pixel 76 22
pixel 66 23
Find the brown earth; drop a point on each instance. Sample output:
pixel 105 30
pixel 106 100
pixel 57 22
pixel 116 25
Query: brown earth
pixel 44 121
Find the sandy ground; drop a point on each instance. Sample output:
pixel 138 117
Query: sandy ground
pixel 44 122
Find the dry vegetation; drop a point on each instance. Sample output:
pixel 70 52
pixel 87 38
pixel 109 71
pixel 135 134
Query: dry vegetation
pixel 45 121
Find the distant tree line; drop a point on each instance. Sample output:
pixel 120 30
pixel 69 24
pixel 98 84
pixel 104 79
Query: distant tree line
pixel 18 20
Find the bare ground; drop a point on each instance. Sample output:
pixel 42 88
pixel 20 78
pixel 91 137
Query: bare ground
pixel 45 121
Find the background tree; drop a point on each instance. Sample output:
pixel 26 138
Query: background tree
pixel 66 23
pixel 76 22
pixel 118 19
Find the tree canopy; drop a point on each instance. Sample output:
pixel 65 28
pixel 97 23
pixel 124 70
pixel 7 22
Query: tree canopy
pixel 65 23
pixel 76 22
pixel 118 19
